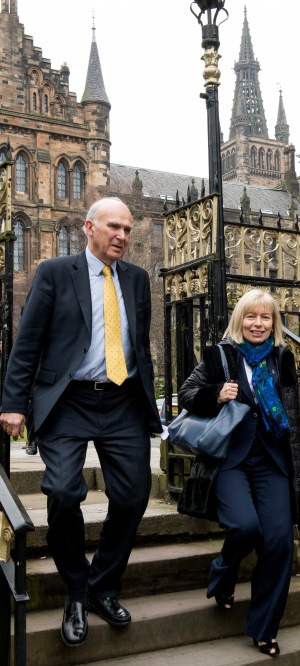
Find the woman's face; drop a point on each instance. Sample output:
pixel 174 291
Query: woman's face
pixel 257 325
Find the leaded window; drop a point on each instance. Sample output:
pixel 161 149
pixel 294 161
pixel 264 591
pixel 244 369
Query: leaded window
pixel 19 247
pixel 68 241
pixel 77 182
pixel 21 167
pixel 61 181
pixel 63 242
pixel 74 241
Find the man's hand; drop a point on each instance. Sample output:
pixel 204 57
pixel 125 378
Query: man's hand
pixel 13 424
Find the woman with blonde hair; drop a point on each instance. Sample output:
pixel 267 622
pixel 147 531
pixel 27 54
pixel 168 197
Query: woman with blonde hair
pixel 254 492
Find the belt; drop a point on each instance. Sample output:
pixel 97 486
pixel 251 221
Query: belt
pixel 97 385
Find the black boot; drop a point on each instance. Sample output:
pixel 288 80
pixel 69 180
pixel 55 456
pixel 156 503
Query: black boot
pixel 31 448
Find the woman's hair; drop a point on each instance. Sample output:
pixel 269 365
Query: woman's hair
pixel 254 300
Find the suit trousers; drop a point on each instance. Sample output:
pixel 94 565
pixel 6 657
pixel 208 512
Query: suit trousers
pixel 114 419
pixel 254 504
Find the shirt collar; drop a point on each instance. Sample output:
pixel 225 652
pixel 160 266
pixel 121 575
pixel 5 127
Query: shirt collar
pixel 96 264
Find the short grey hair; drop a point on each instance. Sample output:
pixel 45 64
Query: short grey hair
pixel 93 210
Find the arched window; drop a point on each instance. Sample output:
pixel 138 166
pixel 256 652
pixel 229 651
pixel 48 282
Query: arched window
pixel 61 181
pixel 21 173
pixel 253 157
pixel 34 101
pixel 232 160
pixel 68 241
pixel 277 160
pixel 261 160
pixel 46 104
pixel 63 243
pixel 228 161
pixel 2 156
pixel 269 159
pixel 77 182
pixel 19 247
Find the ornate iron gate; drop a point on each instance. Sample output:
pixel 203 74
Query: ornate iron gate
pixel 191 284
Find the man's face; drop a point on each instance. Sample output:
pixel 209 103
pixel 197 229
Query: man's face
pixel 108 236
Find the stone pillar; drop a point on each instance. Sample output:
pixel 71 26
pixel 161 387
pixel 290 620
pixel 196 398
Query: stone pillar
pixel 5 6
pixel 14 7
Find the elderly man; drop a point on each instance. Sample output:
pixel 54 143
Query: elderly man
pixel 83 343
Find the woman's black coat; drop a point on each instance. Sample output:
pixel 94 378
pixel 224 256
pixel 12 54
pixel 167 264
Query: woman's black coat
pixel 199 395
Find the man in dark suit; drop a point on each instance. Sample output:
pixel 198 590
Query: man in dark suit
pixel 60 350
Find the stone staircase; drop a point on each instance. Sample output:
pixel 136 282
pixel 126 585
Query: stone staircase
pixel 164 587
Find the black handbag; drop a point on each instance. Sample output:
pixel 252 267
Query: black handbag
pixel 209 435
pixel 194 498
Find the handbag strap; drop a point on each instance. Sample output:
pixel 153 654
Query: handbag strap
pixel 224 363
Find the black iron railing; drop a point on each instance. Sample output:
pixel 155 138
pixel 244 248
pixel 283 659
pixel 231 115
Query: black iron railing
pixel 15 523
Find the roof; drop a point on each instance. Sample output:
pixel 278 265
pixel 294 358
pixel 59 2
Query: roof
pixel 94 86
pixel 162 184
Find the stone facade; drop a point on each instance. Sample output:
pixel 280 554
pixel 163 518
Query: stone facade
pixel 61 153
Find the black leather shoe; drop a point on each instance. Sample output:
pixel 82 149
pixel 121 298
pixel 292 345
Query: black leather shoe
pixel 74 628
pixel 110 610
pixel 31 448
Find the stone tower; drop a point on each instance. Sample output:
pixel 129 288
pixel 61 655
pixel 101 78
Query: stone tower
pixel 96 108
pixel 250 156
pixel 60 148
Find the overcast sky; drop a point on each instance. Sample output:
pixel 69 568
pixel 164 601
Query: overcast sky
pixel 150 53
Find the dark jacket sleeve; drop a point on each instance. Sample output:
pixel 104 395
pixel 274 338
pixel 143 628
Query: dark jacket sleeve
pixel 200 391
pixel 198 394
pixel 25 355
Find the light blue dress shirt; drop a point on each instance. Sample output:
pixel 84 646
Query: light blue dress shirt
pixel 93 367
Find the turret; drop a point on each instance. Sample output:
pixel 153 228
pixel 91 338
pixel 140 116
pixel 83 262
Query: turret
pixel 282 130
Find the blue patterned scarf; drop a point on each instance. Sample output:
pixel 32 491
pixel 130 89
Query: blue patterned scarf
pixel 272 410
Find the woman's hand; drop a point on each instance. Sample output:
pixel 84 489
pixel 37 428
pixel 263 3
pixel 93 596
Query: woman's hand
pixel 229 391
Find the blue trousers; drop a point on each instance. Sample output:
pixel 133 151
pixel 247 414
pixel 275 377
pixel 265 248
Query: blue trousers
pixel 114 420
pixel 254 505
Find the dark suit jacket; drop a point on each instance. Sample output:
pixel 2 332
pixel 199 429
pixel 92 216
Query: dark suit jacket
pixel 55 335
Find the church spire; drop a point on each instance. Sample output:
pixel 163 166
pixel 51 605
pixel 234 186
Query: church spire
pixel 247 95
pixel 282 130
pixel 94 86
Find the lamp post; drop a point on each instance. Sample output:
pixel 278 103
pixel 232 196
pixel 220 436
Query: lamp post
pixel 211 75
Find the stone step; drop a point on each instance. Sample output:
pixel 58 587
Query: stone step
pixel 233 651
pixel 28 482
pixel 159 622
pixel 161 522
pixel 151 570
pixel 26 471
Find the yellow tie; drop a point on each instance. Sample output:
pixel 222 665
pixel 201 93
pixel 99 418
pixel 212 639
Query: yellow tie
pixel 114 354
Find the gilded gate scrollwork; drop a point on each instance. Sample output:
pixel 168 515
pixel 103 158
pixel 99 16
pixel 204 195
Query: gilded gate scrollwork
pixel 256 254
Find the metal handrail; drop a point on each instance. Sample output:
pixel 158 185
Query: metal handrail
pixel 15 523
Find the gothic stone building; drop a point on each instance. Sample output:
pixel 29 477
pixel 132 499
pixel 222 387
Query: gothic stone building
pixel 61 153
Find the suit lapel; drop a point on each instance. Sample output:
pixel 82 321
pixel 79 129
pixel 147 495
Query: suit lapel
pixel 126 282
pixel 81 282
